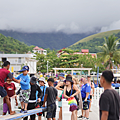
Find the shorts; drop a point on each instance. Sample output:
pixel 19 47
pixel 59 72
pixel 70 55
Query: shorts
pixel 60 103
pixel 51 111
pixel 90 96
pixel 5 108
pixel 85 104
pixel 24 95
pixel 3 92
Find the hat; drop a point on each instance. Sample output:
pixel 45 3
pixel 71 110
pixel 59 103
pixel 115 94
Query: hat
pixel 62 75
pixel 42 79
pixel 51 80
pixel 69 78
pixel 24 68
pixel 88 76
pixel 33 80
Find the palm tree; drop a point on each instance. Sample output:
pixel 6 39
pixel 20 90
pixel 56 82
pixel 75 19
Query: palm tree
pixel 110 52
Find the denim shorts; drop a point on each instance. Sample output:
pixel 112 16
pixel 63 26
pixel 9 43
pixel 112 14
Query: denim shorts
pixel 3 92
pixel 51 111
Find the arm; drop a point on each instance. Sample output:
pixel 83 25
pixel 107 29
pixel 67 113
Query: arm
pixel 104 115
pixel 15 80
pixel 87 94
pixel 40 93
pixel 58 86
pixel 65 93
pixel 25 83
pixel 77 91
pixel 45 99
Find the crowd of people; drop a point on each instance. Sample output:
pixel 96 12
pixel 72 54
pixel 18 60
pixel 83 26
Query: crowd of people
pixel 35 93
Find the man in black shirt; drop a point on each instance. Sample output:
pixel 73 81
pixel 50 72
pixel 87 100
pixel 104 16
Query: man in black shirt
pixel 32 99
pixel 50 97
pixel 109 102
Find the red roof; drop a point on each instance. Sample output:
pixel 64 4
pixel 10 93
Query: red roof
pixel 37 48
pixel 84 50
pixel 61 50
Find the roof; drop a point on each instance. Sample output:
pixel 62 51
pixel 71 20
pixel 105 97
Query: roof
pixel 37 48
pixel 16 55
pixel 84 50
pixel 72 68
pixel 61 50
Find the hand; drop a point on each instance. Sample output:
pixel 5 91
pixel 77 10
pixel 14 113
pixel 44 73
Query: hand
pixel 71 96
pixel 18 81
pixel 16 103
pixel 85 99
pixel 59 99
pixel 93 95
pixel 39 99
pixel 43 105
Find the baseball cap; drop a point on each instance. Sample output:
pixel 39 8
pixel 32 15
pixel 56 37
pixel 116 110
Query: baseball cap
pixel 33 80
pixel 24 68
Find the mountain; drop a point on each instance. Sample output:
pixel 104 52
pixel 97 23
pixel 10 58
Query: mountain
pixel 9 45
pixel 93 41
pixel 46 40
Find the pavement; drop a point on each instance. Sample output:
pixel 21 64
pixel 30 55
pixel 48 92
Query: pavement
pixel 94 115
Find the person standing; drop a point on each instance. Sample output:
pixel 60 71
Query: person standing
pixel 4 74
pixel 42 83
pixel 85 92
pixel 109 102
pixel 25 88
pixel 32 100
pixel 92 90
pixel 51 95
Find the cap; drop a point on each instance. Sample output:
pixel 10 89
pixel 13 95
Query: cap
pixel 24 68
pixel 33 80
pixel 62 74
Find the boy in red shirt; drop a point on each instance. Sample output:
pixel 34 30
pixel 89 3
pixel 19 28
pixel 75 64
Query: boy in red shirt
pixel 10 89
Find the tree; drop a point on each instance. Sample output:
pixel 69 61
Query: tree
pixel 110 52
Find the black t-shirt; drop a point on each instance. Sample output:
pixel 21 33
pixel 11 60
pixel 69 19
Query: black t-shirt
pixel 51 95
pixel 110 101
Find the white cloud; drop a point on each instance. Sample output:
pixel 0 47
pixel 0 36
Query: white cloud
pixel 70 16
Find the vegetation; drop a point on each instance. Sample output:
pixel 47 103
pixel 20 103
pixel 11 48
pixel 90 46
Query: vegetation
pixel 110 51
pixel 9 45
pixel 92 42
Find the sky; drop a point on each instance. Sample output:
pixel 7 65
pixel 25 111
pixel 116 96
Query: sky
pixel 68 16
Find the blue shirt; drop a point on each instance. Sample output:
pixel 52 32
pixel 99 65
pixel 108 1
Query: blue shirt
pixel 25 81
pixel 42 87
pixel 85 89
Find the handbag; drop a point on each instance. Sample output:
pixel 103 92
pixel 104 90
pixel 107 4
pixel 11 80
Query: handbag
pixel 72 102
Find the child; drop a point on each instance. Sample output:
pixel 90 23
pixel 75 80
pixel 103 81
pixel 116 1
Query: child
pixel 43 88
pixel 10 88
pixel 50 97
pixel 32 100
pixel 25 88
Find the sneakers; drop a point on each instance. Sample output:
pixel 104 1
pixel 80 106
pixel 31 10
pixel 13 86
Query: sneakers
pixel 22 110
pixel 84 118
pixel 25 111
pixel 80 117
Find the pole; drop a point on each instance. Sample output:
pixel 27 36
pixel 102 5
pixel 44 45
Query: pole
pixel 47 67
pixel 97 75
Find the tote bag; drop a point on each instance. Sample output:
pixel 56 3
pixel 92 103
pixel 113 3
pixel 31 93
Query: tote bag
pixel 72 102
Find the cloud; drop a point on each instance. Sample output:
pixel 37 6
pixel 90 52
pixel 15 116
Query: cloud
pixel 69 16
pixel 113 26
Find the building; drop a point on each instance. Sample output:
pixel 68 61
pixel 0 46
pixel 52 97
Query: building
pixel 18 60
pixel 39 50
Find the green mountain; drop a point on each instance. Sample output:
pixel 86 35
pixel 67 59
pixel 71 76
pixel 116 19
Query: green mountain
pixel 9 45
pixel 92 42
pixel 56 40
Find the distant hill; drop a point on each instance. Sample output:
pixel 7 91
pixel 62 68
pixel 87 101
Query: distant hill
pixel 93 41
pixel 46 40
pixel 9 45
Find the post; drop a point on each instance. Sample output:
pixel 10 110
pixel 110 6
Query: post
pixel 55 72
pixel 88 72
pixel 47 67
pixel 72 72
